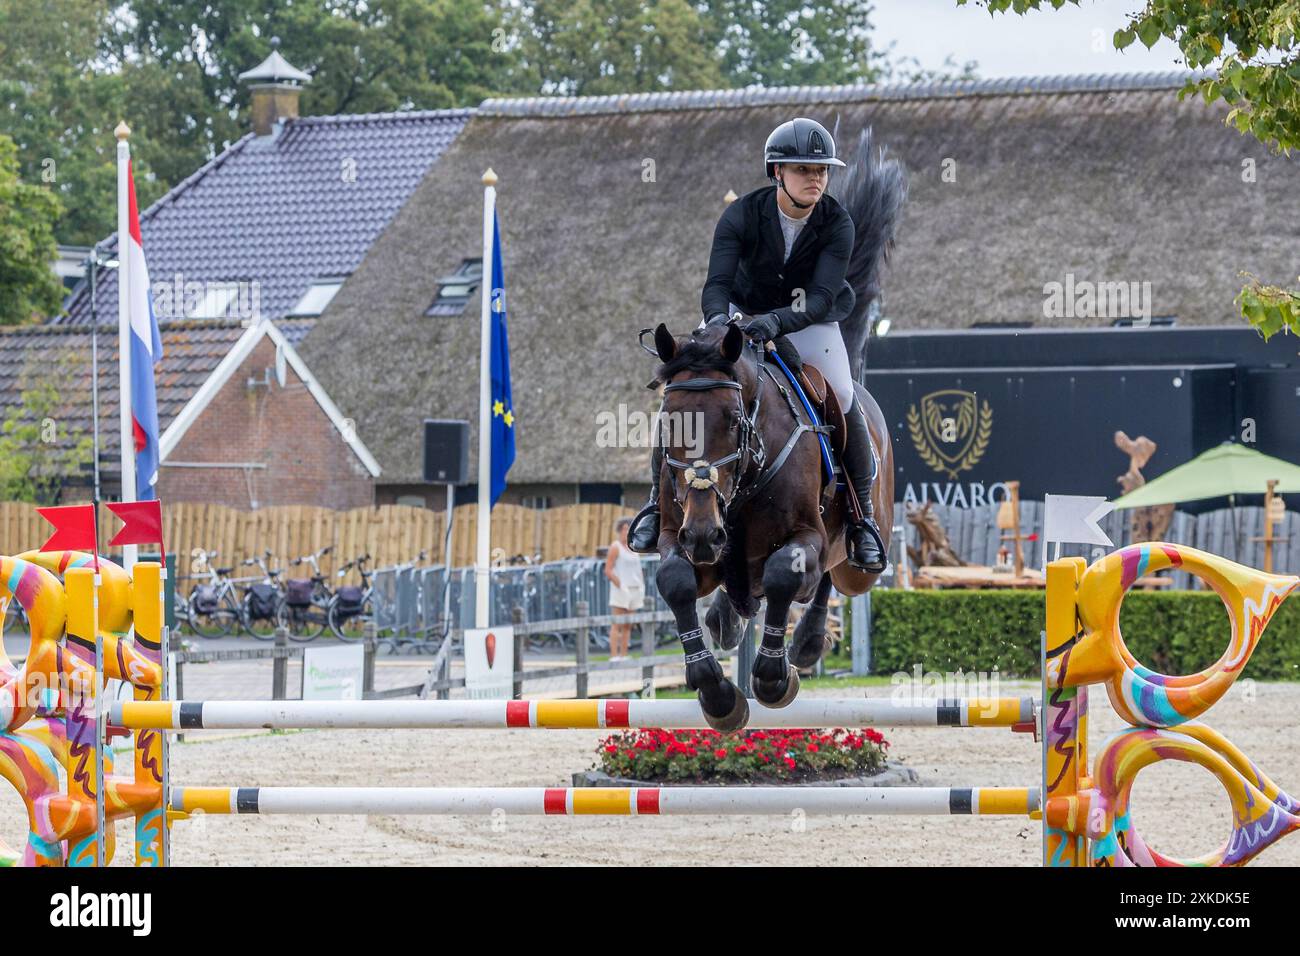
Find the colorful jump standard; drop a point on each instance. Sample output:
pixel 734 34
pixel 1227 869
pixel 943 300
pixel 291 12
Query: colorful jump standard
pixel 1085 815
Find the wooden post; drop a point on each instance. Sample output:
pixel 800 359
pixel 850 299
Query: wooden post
pixel 860 634
pixel 1274 513
pixel 648 669
pixel 583 645
pixel 744 667
pixel 1009 519
pixel 280 667
pixel 367 667
pixel 174 643
pixel 517 619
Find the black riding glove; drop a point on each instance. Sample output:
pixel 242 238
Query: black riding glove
pixel 763 328
pixel 718 317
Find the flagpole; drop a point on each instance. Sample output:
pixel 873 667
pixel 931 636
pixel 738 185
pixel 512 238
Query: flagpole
pixel 482 569
pixel 124 326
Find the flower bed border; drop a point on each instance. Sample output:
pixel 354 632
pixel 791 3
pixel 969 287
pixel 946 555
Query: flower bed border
pixel 894 775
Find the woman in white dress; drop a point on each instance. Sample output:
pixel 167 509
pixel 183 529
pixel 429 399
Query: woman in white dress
pixel 626 588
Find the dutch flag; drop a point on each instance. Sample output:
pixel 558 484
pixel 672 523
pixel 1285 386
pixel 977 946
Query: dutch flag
pixel 146 352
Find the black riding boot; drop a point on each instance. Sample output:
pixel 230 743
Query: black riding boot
pixel 867 551
pixel 643 535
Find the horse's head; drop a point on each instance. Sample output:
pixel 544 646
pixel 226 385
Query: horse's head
pixel 704 430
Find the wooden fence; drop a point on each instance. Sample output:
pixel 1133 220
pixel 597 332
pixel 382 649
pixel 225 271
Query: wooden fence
pixel 391 534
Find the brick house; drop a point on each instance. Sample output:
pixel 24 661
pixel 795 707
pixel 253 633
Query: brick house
pixel 231 432
pixel 243 255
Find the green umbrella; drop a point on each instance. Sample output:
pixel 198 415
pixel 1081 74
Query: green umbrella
pixel 1228 470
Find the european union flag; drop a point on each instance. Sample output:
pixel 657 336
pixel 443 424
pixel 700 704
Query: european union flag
pixel 503 415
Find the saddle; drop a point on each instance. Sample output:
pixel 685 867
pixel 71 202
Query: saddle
pixel 827 407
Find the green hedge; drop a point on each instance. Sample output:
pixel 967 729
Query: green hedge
pixel 1177 632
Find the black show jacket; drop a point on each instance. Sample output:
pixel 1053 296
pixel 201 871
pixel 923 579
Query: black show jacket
pixel 746 263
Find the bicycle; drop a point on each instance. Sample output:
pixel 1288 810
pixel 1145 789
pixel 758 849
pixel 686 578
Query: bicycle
pixel 262 599
pixel 352 606
pixel 212 609
pixel 304 611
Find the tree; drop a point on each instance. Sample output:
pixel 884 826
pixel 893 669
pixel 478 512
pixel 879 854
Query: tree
pixel 29 289
pixel 38 451
pixel 59 104
pixel 1253 47
pixel 596 47
pixel 181 61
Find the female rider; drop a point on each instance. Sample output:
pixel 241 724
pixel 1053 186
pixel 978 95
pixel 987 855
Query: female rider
pixel 779 256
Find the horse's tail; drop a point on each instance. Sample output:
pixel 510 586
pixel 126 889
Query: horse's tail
pixel 872 188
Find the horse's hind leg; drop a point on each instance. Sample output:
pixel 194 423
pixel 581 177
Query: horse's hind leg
pixel 787 573
pixel 809 642
pixel 724 706
pixel 723 622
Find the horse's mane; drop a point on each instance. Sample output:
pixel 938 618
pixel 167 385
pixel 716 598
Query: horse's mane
pixel 699 354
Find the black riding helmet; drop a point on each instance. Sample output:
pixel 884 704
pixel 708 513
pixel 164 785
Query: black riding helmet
pixel 801 140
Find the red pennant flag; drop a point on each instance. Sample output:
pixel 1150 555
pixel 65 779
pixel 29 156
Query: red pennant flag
pixel 141 523
pixel 74 528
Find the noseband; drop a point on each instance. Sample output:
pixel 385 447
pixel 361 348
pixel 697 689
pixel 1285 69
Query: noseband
pixel 750 451
pixel 702 473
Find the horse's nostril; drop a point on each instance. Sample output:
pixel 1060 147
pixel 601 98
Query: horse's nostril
pixel 719 536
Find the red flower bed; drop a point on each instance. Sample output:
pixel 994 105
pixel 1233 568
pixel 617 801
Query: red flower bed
pixel 752 756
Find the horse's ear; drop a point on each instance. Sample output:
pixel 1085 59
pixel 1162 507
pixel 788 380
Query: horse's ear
pixel 733 343
pixel 665 344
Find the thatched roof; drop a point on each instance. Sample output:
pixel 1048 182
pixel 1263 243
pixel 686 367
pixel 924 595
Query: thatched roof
pixel 1110 178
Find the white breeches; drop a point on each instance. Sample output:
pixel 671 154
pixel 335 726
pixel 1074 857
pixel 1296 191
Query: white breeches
pixel 822 346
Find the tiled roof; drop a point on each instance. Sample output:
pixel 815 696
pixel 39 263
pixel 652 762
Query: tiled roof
pixel 61 356
pixel 281 211
pixel 854 93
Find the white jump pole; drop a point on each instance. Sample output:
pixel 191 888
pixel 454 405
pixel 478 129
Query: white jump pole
pixel 607 714
pixel 610 801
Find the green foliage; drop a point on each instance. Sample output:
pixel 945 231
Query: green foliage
pixel 29 289
pixel 37 448
pixel 171 69
pixel 1269 308
pixel 59 104
pixel 1254 48
pixel 1175 632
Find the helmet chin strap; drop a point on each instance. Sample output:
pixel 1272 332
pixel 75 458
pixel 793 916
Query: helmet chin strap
pixel 797 203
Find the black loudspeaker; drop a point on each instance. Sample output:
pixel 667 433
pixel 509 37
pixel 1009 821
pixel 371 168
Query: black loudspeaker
pixel 446 451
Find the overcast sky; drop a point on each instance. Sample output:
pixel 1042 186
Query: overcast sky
pixel 1074 39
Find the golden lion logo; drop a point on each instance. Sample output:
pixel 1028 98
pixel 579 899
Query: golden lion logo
pixel 950 431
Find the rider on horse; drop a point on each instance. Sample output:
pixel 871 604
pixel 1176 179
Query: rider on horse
pixel 780 256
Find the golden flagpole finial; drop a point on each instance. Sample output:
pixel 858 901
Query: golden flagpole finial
pixel 122 131
pixel 489 177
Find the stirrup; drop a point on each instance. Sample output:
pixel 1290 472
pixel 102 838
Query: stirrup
pixel 879 567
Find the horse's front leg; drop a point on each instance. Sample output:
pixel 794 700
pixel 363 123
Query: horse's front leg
pixel 792 570
pixel 810 642
pixel 724 706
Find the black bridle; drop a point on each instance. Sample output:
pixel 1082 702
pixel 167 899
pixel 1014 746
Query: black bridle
pixel 702 474
pixel 750 451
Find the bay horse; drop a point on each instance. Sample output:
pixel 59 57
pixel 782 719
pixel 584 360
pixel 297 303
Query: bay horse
pixel 744 517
